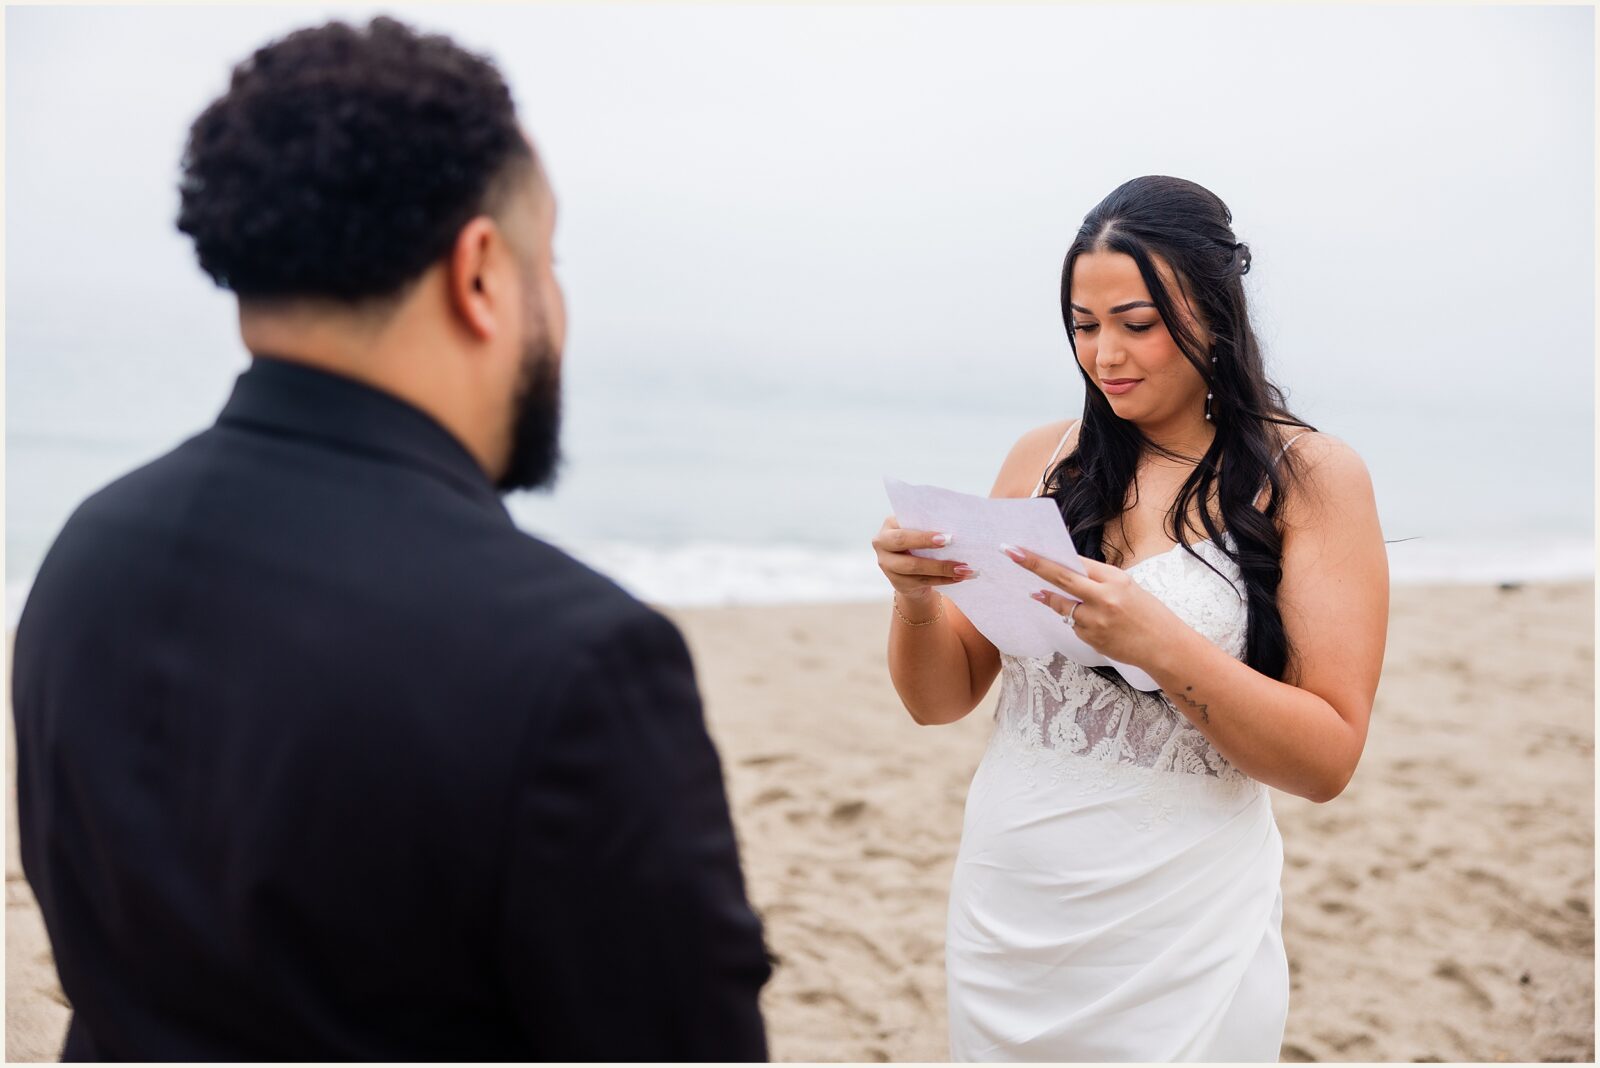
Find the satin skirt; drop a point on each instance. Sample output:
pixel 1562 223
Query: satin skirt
pixel 1080 930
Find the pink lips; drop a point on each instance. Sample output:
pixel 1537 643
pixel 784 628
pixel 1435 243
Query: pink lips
pixel 1117 386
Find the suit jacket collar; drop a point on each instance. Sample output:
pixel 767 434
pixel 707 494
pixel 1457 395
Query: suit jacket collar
pixel 278 396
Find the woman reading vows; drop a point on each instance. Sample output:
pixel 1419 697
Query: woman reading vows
pixel 1116 895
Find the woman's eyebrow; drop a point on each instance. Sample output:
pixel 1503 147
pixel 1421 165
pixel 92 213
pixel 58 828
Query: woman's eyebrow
pixel 1119 309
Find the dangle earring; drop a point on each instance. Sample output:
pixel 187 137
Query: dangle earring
pixel 1208 397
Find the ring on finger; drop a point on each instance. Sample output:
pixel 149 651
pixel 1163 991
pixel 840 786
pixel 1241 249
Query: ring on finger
pixel 1069 622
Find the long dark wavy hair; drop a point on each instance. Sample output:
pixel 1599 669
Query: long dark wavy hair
pixel 1191 230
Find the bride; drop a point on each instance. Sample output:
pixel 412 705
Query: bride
pixel 1116 895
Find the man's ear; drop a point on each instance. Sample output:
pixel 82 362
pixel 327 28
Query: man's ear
pixel 473 289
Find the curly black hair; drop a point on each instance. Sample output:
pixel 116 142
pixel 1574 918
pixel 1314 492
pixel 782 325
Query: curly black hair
pixel 342 162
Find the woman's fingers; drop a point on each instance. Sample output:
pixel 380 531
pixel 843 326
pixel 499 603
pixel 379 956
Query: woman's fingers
pixel 907 572
pixel 1054 601
pixel 1049 570
pixel 1101 572
pixel 895 540
pixel 904 564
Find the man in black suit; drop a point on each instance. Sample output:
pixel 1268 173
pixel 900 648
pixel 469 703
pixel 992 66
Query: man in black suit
pixel 319 756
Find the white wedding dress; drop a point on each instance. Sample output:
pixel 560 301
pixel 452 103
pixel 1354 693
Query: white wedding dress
pixel 1116 896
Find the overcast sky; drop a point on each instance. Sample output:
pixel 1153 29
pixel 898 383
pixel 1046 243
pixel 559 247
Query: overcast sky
pixel 874 201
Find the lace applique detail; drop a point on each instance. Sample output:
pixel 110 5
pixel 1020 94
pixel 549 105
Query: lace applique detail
pixel 1064 722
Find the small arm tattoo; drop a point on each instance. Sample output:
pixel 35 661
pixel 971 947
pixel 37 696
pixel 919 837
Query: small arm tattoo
pixel 1198 706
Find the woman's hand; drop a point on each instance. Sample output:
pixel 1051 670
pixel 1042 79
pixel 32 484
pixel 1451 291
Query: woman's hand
pixel 1116 617
pixel 913 577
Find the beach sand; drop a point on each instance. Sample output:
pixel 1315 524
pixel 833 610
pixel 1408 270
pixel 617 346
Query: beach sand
pixel 1442 908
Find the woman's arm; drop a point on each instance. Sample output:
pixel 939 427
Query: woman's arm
pixel 1303 737
pixel 940 670
pixel 943 669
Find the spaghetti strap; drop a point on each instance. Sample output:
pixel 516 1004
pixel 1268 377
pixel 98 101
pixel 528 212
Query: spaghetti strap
pixel 1275 460
pixel 1053 457
pixel 1286 445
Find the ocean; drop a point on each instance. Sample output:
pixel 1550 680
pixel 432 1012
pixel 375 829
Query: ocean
pixel 697 486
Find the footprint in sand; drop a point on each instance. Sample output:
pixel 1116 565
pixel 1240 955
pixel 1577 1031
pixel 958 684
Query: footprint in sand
pixel 1350 1047
pixel 847 811
pixel 851 1009
pixel 1452 970
pixel 765 759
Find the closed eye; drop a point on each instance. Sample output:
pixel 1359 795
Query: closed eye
pixel 1135 328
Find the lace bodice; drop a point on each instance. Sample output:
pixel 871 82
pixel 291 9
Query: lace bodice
pixel 1057 716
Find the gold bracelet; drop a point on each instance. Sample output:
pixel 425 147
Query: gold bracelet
pixel 896 603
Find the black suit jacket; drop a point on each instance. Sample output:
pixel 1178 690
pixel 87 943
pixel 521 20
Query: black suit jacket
pixel 320 757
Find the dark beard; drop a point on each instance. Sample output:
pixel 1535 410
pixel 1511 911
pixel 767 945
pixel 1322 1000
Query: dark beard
pixel 536 422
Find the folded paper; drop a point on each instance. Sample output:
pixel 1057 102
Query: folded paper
pixel 998 599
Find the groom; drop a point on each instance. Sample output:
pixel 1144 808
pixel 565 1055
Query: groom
pixel 319 756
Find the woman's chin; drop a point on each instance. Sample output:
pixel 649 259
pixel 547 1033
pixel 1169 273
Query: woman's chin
pixel 1126 408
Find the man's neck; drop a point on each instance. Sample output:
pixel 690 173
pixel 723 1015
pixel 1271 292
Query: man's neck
pixel 401 358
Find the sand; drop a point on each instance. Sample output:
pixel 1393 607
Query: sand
pixel 1442 908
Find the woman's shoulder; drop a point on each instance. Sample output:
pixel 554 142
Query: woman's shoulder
pixel 1317 449
pixel 1029 458
pixel 1044 440
pixel 1328 470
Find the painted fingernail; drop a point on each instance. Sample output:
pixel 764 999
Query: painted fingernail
pixel 964 571
pixel 1040 597
pixel 1012 551
pixel 942 540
